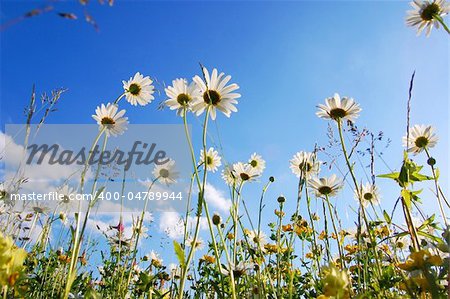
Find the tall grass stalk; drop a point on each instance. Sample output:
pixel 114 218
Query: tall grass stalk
pixel 139 228
pixel 363 213
pixel 436 185
pixel 77 235
pixel 336 232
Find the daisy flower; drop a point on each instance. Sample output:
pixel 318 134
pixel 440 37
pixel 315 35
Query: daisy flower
pixel 369 194
pixel 198 245
pixel 238 270
pixel 154 259
pixel 216 94
pixel 166 172
pixel 257 162
pixel 143 232
pixel 41 208
pixel 181 95
pixel 427 14
pixel 244 172
pixel 304 164
pixel 421 138
pixel 326 186
pixel 139 90
pixel 109 118
pixel 5 192
pixel 211 158
pixel 67 195
pixel 228 175
pixel 353 233
pixel 337 108
pixel 403 242
pixel 175 270
pixel 257 239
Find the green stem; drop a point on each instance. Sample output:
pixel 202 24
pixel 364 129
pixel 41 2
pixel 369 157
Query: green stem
pixel 261 205
pixel 201 203
pixel 327 242
pixel 235 221
pixel 363 213
pixel 230 264
pixel 411 228
pixel 301 183
pixel 188 207
pixel 308 205
pixel 341 256
pixel 76 237
pixel 440 20
pixel 118 98
pixel 436 184
pixel 141 220
pixel 280 218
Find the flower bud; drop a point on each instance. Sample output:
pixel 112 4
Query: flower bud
pixel 62 216
pixel 431 161
pixel 216 219
pixel 281 199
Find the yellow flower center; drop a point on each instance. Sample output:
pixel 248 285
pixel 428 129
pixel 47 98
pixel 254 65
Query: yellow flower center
pixel 107 121
pixel 134 89
pixel 430 11
pixel 421 141
pixel 337 113
pixel 183 99
pixel 164 173
pixel 305 166
pixel 211 97
pixel 244 176
pixel 65 199
pixel 368 196
pixel 325 190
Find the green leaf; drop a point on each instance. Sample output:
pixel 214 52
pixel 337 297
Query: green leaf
pixel 406 195
pixel 405 155
pixel 97 194
pixel 417 192
pixel 417 177
pixel 179 252
pixel 392 175
pixel 427 222
pixel 403 177
pixel 387 217
pixel 431 237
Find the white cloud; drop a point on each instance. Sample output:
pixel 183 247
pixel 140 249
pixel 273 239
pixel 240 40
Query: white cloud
pixel 104 220
pixel 40 178
pixel 172 224
pixel 10 150
pixel 216 199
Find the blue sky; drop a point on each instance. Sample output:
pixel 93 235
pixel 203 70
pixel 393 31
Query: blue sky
pixel 286 56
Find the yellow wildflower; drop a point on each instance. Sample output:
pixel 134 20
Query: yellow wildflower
pixel 419 259
pixel 11 261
